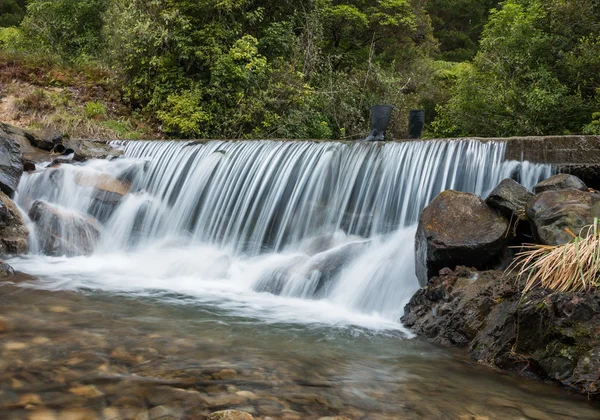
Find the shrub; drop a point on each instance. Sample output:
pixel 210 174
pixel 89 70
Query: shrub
pixel 95 110
pixel 183 114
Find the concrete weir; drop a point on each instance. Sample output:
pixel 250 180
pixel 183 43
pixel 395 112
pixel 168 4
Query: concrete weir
pixel 576 154
pixel 579 155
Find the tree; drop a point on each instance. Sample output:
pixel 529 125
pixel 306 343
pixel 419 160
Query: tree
pixel 532 75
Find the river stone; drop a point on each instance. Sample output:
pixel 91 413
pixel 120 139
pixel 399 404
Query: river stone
pixel 509 198
pixel 64 232
pixel 11 163
pixel 6 270
pixel 229 415
pixel 13 232
pixel 458 229
pixel 552 212
pixel 560 182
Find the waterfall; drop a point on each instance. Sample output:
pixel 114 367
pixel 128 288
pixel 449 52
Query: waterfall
pixel 330 221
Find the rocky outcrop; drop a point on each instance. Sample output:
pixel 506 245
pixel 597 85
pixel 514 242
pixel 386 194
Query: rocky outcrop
pixel 458 229
pixel 509 198
pixel 558 215
pixel 13 232
pixel 63 232
pixel 11 163
pixel 560 182
pixel 546 335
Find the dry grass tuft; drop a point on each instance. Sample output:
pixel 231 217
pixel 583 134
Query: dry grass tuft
pixel 570 267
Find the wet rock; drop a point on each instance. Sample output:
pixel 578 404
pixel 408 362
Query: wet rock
pixel 88 391
pixel 89 149
pixel 107 192
pixel 560 182
pixel 509 198
pixel 225 374
pixel 13 232
pixel 552 212
pixel 230 415
pixel 458 229
pixel 64 232
pixel 544 335
pixel 29 165
pixel 11 163
pixel 324 267
pixel 6 270
pixel 44 139
pixel 43 414
pixel 164 412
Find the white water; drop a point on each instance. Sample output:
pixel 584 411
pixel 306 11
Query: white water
pixel 280 231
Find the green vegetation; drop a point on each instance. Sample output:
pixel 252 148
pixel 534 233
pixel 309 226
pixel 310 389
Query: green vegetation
pixel 312 68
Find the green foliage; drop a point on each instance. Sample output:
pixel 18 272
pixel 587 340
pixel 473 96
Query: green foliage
pixel 529 77
pixel 69 29
pixel 11 12
pixel 313 68
pixel 10 38
pixel 183 114
pixel 95 110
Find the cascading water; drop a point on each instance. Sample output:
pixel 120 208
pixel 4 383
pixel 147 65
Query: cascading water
pixel 327 227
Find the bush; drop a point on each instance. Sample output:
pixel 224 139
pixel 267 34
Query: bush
pixel 95 110
pixel 183 115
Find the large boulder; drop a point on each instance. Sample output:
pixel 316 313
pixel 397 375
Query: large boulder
pixel 107 192
pixel 11 163
pixel 560 182
pixel 556 216
pixel 509 198
pixel 63 232
pixel 458 229
pixel 13 232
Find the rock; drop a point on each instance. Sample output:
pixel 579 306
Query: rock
pixel 230 415
pixel 13 232
pixel 88 391
pixel 225 374
pixel 44 139
pixel 64 232
pixel 509 198
pixel 552 212
pixel 28 165
pixel 107 193
pixel 318 271
pixel 437 313
pixel 544 335
pixel 89 149
pixel 560 182
pixel 458 229
pixel 6 270
pixel 11 163
pixel 163 412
